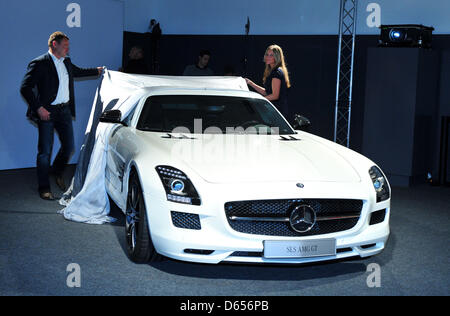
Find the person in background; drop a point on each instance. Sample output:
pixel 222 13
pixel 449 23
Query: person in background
pixel 201 68
pixel 136 63
pixel 48 88
pixel 275 79
pixel 228 70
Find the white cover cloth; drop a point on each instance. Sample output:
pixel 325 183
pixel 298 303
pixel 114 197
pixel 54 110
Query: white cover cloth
pixel 86 200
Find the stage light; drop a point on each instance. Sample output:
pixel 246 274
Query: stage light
pixel 395 35
pixel 405 35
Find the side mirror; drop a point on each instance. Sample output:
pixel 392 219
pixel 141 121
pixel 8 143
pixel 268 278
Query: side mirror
pixel 301 122
pixel 111 116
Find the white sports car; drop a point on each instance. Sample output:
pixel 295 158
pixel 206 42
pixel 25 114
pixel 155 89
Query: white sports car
pixel 213 176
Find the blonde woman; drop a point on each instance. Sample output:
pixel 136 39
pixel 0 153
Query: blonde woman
pixel 275 79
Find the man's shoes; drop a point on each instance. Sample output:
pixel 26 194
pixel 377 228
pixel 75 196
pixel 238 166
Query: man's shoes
pixel 60 183
pixel 47 195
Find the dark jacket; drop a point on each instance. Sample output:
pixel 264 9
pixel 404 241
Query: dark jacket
pixel 40 84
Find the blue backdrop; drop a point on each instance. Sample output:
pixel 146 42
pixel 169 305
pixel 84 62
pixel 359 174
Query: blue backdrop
pixel 286 17
pixel 95 29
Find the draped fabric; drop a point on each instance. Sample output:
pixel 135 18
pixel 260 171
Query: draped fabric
pixel 86 199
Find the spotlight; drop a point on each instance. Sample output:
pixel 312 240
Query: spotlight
pixel 405 35
pixel 396 35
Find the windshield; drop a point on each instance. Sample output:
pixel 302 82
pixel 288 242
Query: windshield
pixel 198 114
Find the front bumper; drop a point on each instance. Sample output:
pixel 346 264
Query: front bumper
pixel 217 242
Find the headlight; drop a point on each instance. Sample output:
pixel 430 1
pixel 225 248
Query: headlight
pixel 380 184
pixel 177 185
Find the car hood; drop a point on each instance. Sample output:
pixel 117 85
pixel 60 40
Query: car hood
pixel 253 158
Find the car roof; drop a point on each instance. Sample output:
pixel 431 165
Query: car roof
pixel 171 90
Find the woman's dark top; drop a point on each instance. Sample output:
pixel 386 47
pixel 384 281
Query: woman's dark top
pixel 282 102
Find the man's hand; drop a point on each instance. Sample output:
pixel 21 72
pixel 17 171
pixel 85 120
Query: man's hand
pixel 44 115
pixel 100 70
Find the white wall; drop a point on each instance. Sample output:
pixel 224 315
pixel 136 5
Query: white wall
pixel 314 17
pixel 25 27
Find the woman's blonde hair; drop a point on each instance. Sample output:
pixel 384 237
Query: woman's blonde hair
pixel 279 63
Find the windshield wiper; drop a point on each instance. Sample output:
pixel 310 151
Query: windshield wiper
pixel 149 129
pixel 288 138
pixel 182 136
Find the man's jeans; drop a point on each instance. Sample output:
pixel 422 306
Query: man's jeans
pixel 61 121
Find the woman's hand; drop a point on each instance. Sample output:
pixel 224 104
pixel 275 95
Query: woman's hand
pixel 258 89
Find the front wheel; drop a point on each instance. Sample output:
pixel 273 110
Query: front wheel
pixel 139 243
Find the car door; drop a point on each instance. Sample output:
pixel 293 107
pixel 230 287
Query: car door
pixel 115 163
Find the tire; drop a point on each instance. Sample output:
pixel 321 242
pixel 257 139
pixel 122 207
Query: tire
pixel 139 243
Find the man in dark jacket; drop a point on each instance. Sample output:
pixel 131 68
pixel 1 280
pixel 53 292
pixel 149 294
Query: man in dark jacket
pixel 49 91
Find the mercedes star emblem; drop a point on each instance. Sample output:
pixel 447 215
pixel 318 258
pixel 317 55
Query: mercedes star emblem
pixel 302 218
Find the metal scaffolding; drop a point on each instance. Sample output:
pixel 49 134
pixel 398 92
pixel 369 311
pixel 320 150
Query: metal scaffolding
pixel 344 82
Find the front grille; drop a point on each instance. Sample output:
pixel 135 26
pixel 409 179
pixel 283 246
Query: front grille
pixel 271 217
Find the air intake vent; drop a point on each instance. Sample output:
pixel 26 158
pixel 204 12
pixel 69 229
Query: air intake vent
pixel 199 251
pixel 377 217
pixel 186 220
